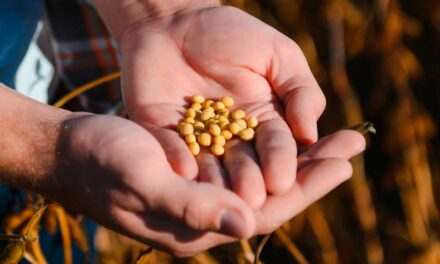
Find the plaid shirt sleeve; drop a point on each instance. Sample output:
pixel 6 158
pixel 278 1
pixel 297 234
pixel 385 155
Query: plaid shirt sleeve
pixel 83 51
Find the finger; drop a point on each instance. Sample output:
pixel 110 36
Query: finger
pixel 211 170
pixel 176 150
pixel 324 165
pixel 342 144
pixel 277 152
pixel 293 82
pixel 167 234
pixel 304 106
pixel 245 175
pixel 313 181
pixel 201 206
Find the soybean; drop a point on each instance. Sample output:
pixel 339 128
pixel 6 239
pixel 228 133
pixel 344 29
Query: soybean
pixel 209 123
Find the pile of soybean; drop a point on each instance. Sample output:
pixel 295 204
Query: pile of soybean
pixel 209 123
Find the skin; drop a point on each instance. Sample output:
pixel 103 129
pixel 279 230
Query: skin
pixel 115 172
pixel 212 51
pixel 139 179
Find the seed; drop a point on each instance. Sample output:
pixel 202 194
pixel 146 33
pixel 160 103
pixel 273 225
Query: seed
pixel 242 123
pixel 179 126
pixel 196 106
pixel 234 128
pixel 252 122
pixel 227 134
pixel 198 99
pixel 218 106
pixel 206 115
pixel 209 109
pixel 227 101
pixel 190 112
pixel 224 125
pixel 219 140
pixel 187 129
pixel 207 103
pixel 210 122
pixel 247 134
pixel 189 120
pixel 198 126
pixel 224 112
pixel 238 114
pixel 205 139
pixel 222 119
pixel 194 148
pixel 190 139
pixel 214 130
pixel 217 150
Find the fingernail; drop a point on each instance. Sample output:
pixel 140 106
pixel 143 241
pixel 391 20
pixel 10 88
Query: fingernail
pixel 233 224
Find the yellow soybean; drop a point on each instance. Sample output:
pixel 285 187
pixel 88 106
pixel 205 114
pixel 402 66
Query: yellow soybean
pixel 252 122
pixel 234 128
pixel 190 139
pixel 189 120
pixel 187 129
pixel 214 130
pixel 242 123
pixel 218 106
pixel 199 125
pixel 194 148
pixel 209 109
pixel 217 150
pixel 207 103
pixel 211 124
pixel 196 106
pixel 227 134
pixel 224 112
pixel 247 134
pixel 179 126
pixel 198 99
pixel 219 140
pixel 206 115
pixel 224 125
pixel 227 101
pixel 205 139
pixel 190 112
pixel 223 119
pixel 238 114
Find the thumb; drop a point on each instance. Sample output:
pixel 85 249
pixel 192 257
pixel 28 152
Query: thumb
pixel 206 207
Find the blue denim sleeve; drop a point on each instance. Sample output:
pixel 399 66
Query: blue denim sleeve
pixel 18 21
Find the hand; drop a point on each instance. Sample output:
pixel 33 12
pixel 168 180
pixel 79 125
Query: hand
pixel 214 52
pixel 116 173
pixel 321 169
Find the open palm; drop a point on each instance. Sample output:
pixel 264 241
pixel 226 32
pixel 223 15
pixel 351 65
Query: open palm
pixel 215 52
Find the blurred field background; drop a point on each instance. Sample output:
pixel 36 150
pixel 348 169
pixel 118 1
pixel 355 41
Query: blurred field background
pixel 377 61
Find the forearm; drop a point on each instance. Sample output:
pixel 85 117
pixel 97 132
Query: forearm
pixel 120 14
pixel 29 134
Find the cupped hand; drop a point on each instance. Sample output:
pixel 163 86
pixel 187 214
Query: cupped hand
pixel 115 172
pixel 214 52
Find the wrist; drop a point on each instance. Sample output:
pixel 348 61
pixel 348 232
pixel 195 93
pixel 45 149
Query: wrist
pixel 120 15
pixel 28 137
